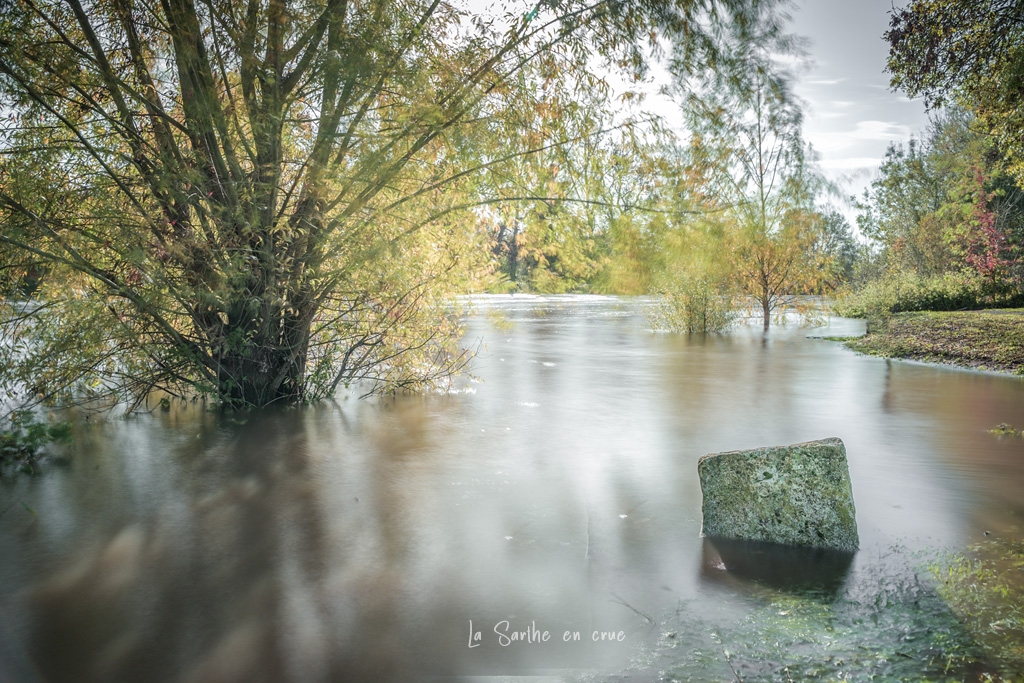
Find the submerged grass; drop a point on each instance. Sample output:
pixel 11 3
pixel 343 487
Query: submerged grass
pixel 956 619
pixel 985 588
pixel 907 635
pixel 22 438
pixel 983 340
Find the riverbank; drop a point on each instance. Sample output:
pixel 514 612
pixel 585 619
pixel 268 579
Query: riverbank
pixel 983 340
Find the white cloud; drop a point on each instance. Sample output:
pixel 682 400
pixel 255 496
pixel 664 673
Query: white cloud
pixel 880 130
pixel 854 141
pixel 850 163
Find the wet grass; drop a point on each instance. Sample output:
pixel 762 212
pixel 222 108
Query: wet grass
pixel 985 588
pixel 908 634
pixel 983 340
pixel 957 618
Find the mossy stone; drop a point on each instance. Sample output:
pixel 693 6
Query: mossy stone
pixel 796 495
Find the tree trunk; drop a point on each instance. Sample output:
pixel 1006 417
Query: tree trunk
pixel 514 254
pixel 260 378
pixel 264 363
pixel 767 313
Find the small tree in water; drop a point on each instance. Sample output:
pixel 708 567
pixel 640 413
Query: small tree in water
pixel 695 288
pixel 747 137
pixel 696 305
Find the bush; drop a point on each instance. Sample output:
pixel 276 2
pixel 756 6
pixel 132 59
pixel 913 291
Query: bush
pixel 898 292
pixel 24 438
pixel 694 305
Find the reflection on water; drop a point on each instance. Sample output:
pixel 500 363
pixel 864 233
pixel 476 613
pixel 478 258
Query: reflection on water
pixel 556 491
pixel 801 571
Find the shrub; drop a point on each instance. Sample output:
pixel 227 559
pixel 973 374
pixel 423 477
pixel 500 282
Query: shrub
pixel 898 292
pixel 24 437
pixel 694 305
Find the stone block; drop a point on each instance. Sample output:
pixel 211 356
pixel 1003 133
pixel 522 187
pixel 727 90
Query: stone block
pixel 795 495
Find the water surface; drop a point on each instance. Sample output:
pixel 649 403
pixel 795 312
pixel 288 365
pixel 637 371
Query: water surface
pixel 555 490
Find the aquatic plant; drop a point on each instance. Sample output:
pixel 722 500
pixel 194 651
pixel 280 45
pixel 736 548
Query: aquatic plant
pixel 23 438
pixel 1004 429
pixel 887 625
pixel 694 305
pixel 984 586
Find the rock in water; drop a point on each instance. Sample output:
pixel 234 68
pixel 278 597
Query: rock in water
pixel 797 495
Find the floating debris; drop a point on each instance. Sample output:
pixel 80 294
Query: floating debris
pixel 1004 429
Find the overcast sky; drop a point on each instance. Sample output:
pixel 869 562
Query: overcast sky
pixel 852 115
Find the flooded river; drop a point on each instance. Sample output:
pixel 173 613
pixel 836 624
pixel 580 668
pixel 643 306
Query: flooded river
pixel 555 491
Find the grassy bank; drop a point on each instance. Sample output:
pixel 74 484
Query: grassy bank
pixel 985 340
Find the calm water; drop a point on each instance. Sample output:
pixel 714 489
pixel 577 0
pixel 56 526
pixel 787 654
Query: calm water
pixel 556 489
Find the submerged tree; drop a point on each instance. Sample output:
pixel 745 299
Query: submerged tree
pixel 747 134
pixel 696 284
pixel 260 201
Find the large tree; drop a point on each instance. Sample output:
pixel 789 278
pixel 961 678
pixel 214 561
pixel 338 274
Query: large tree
pixel 969 52
pixel 944 203
pixel 901 209
pixel 837 248
pixel 254 200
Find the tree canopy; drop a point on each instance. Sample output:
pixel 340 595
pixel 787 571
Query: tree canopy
pixel 262 200
pixel 969 52
pixel 944 204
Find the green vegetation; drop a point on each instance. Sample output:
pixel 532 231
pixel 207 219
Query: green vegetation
pixel 899 292
pixel 945 215
pixel 694 305
pixel 958 617
pixel 1004 429
pixel 969 52
pixel 893 630
pixel 902 634
pixel 985 588
pixel 757 178
pixel 986 340
pixel 747 228
pixel 263 206
pixel 263 202
pixel 945 221
pixel 23 439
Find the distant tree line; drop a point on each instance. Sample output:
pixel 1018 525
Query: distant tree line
pixel 945 214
